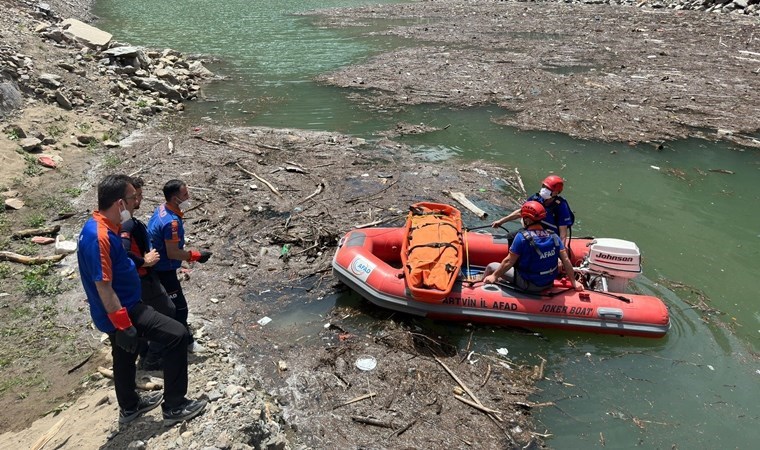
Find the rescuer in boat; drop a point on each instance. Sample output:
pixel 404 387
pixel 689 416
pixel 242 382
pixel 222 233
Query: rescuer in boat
pixel 531 264
pixel 559 217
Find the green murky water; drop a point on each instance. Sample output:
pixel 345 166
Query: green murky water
pixel 696 388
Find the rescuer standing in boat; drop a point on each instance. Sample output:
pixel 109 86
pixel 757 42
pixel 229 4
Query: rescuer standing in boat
pixel 531 264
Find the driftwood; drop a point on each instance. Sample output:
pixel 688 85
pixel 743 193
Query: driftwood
pixel 44 231
pixel 145 383
pixel 365 197
pixel 295 169
pixel 29 260
pixel 373 421
pixel 723 171
pixel 456 378
pixel 376 222
pixel 460 197
pixel 45 438
pixel 357 399
pixel 519 180
pixel 80 364
pixel 320 187
pixel 478 407
pixel 268 184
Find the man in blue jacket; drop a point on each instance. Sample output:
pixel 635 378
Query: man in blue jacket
pixel 112 286
pixel 167 234
pixel 559 218
pixel 534 255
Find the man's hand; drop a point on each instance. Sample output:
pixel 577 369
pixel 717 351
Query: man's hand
pixel 127 339
pixel 205 255
pixel 200 256
pixel 490 279
pixel 151 258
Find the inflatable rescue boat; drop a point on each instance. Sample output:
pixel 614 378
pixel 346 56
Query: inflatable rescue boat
pixel 369 261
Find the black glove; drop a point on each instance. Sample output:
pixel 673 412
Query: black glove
pixel 205 255
pixel 127 339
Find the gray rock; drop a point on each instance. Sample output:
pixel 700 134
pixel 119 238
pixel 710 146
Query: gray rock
pixel 197 69
pixel 124 51
pixel 30 144
pixel 214 395
pixel 136 445
pixel 275 443
pixel 10 96
pixel 162 87
pixel 15 130
pixel 86 34
pixel 86 139
pixel 49 79
pixel 63 101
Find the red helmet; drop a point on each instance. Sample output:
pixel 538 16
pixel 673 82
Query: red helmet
pixel 533 210
pixel 555 183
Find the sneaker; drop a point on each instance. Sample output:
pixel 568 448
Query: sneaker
pixel 145 404
pixel 186 411
pixel 195 347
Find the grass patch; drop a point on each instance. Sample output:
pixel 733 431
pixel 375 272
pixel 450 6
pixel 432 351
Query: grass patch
pixel 5 271
pixel 73 192
pixel 13 134
pixel 32 169
pixel 41 281
pixel 36 220
pixel 111 161
pixel 55 131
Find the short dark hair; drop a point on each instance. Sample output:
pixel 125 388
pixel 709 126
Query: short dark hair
pixel 172 187
pixel 111 189
pixel 138 182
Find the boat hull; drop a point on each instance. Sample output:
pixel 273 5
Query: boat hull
pixel 368 262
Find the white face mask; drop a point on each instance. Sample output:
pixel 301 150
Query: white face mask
pixel 545 193
pixel 124 215
pixel 184 206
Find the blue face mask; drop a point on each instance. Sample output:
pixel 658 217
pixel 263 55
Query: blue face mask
pixel 545 193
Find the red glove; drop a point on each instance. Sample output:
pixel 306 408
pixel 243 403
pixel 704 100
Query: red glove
pixel 200 256
pixel 120 319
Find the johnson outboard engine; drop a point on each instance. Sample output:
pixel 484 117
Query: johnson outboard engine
pixel 611 263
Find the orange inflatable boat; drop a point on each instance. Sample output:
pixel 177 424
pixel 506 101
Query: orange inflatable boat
pixel 369 261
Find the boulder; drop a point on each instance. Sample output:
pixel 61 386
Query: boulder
pixel 10 95
pixel 86 34
pixel 30 144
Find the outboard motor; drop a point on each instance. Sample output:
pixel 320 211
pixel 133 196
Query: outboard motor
pixel 615 260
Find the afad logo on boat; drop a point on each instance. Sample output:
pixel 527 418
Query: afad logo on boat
pixel 361 267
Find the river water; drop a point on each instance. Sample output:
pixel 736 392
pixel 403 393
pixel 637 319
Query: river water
pixel 696 388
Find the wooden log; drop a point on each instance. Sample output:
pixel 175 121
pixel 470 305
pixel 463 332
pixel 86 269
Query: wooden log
pixel 479 407
pixel 268 184
pixel 45 438
pixel 29 260
pixel 373 422
pixel 357 399
pixel 320 186
pixel 44 231
pixel 456 378
pixel 464 201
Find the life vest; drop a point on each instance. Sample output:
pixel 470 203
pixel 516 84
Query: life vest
pixel 545 269
pixel 552 208
pixel 432 252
